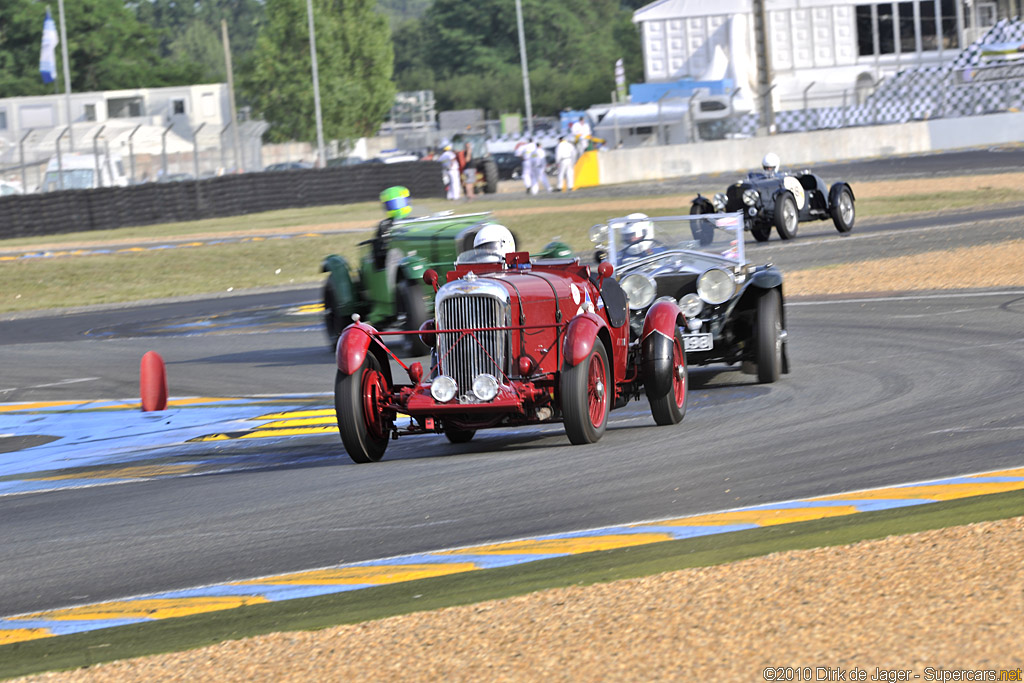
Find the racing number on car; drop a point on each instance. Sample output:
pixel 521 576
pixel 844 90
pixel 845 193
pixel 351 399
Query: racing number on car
pixel 697 342
pixel 794 186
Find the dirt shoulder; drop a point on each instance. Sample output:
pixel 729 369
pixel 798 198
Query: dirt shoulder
pixel 946 599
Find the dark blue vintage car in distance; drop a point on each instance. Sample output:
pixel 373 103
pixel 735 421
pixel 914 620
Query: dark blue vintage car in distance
pixel 783 201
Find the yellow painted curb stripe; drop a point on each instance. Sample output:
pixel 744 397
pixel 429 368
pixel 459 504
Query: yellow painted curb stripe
pixel 267 433
pixel 20 635
pixel 936 492
pixel 85 405
pixel 376 574
pixel 156 608
pixel 137 472
pixel 325 412
pixel 551 546
pixel 301 422
pixel 762 517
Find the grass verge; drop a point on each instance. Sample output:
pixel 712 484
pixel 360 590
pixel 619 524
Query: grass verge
pixel 69 652
pixel 47 283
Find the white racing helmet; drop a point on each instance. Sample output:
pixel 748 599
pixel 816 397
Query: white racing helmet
pixel 638 233
pixel 770 163
pixel 495 238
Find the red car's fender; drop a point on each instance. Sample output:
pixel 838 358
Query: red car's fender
pixel 663 317
pixel 580 337
pixel 353 345
pixel 656 347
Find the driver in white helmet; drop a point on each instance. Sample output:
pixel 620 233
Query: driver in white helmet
pixel 637 236
pixel 770 164
pixel 490 245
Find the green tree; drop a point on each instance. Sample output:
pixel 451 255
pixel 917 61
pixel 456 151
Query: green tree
pixel 108 48
pixel 472 50
pixel 189 34
pixel 354 57
pixel 399 12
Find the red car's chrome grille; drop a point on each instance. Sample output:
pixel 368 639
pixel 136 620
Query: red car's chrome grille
pixel 464 355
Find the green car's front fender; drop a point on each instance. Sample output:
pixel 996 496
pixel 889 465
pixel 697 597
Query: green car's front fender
pixel 340 295
pixel 412 267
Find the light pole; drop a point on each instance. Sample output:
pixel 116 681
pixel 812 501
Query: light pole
pixel 67 75
pixel 526 70
pixel 321 161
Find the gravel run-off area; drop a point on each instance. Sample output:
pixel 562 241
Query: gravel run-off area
pixel 949 599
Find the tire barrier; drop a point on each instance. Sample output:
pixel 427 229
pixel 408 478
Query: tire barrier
pixel 115 207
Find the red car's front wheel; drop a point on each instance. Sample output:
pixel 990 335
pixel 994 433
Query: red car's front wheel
pixel 359 401
pixel 585 397
pixel 670 407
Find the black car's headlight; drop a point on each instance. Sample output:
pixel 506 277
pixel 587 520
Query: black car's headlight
pixel 750 197
pixel 716 286
pixel 640 290
pixel 719 201
pixel 691 305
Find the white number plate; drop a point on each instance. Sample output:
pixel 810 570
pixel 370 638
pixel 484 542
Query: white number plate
pixel 697 342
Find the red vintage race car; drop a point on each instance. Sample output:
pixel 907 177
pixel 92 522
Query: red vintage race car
pixel 514 342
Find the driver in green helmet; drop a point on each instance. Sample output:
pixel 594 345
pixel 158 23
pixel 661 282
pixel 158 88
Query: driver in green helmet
pixel 395 202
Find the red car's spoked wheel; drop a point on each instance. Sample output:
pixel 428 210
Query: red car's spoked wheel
pixel 667 394
pixel 359 402
pixel 597 389
pixel 584 391
pixel 374 392
pixel 679 373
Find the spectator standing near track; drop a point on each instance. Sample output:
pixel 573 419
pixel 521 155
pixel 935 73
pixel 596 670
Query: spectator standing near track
pixel 450 164
pixel 581 132
pixel 539 162
pixel 565 159
pixel 524 150
pixel 469 172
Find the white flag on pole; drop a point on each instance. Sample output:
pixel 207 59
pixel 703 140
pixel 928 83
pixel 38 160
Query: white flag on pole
pixel 620 80
pixel 47 56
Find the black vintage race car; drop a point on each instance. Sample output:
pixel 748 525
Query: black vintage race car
pixel 733 309
pixel 782 200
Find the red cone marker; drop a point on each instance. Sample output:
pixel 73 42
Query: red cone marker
pixel 153 382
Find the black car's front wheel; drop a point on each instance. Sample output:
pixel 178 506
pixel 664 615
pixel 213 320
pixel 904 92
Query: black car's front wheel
pixel 770 337
pixel 585 400
pixel 359 400
pixel 786 217
pixel 761 233
pixel 843 212
pixel 702 230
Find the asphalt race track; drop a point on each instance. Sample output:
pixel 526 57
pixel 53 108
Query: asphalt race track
pixel 884 390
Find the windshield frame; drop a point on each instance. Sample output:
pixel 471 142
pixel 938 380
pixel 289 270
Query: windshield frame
pixel 727 243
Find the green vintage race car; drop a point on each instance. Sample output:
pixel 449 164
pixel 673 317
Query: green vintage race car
pixel 388 290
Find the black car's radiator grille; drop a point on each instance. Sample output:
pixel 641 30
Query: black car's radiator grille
pixel 734 198
pixel 463 356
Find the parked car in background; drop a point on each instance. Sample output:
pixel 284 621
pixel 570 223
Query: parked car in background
pixel 290 166
pixel 782 200
pixel 8 188
pixel 515 342
pixel 83 172
pixel 510 167
pixel 734 309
